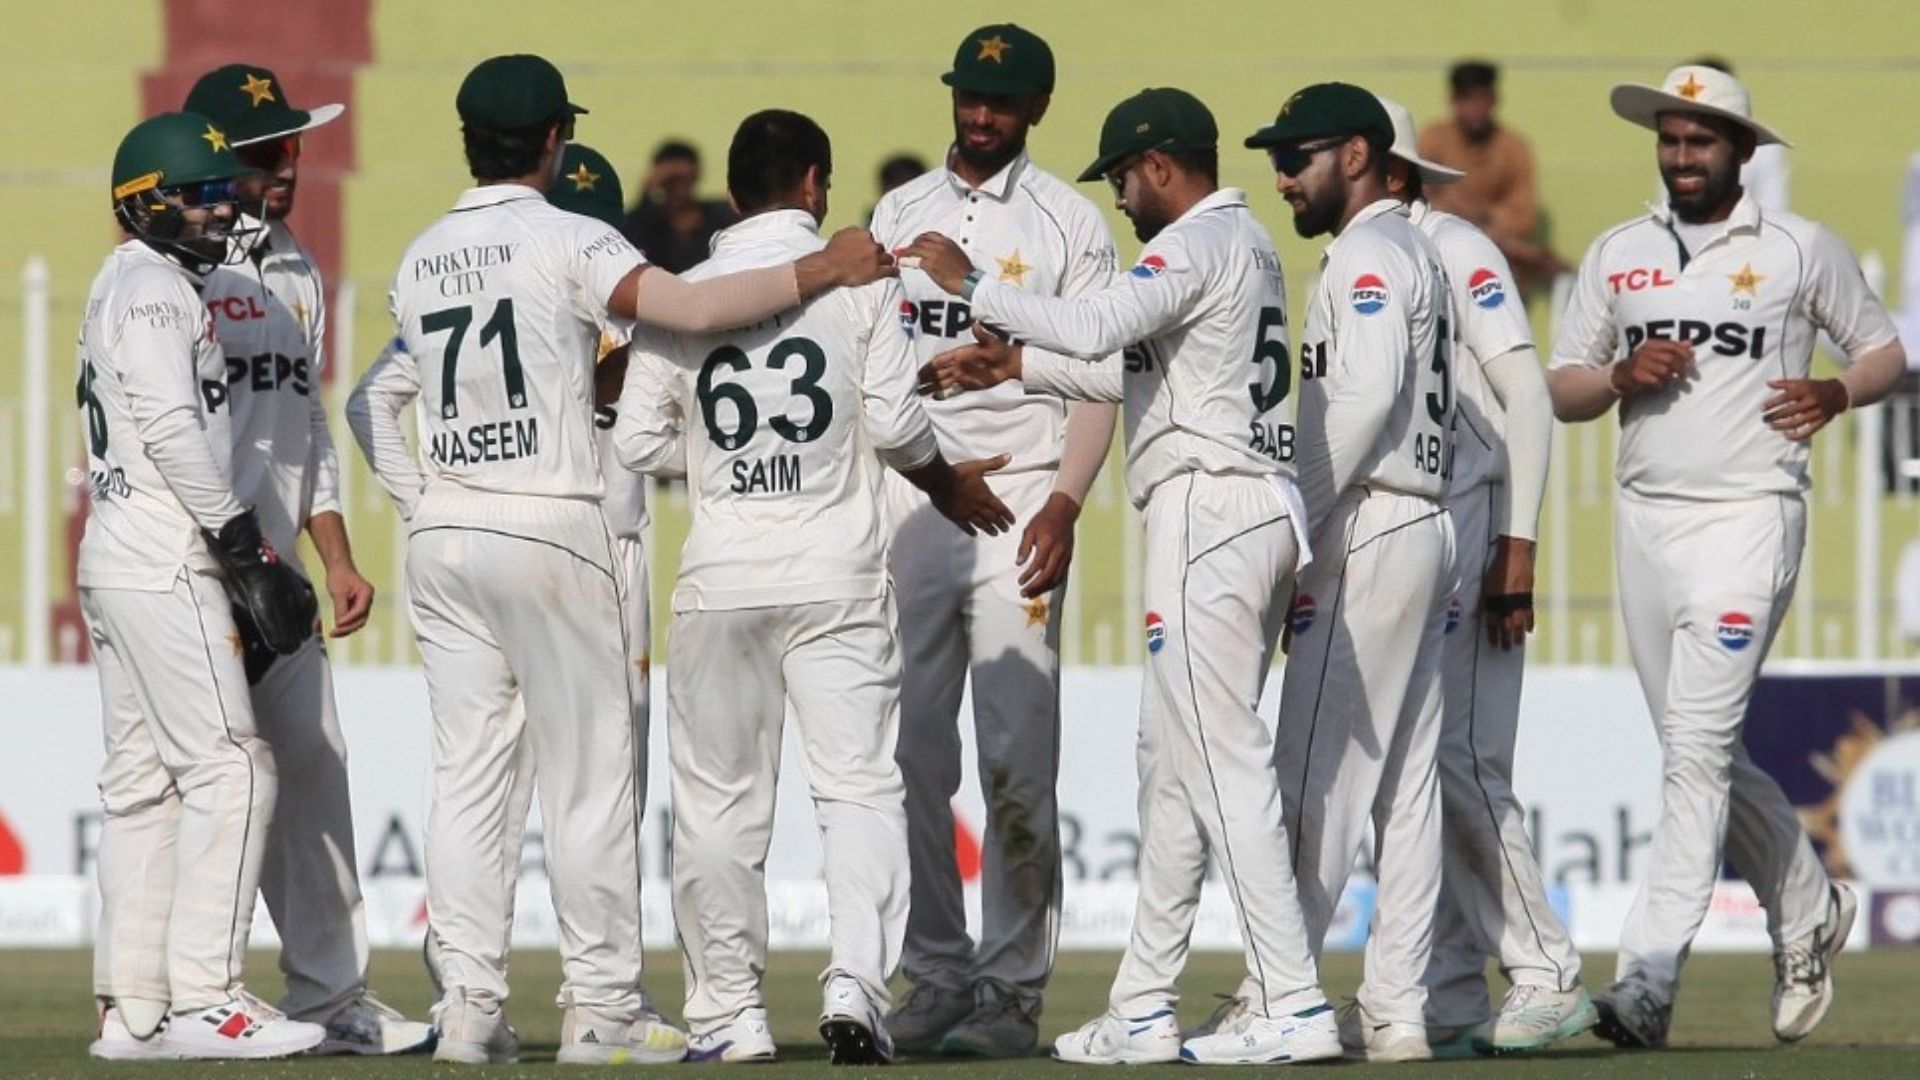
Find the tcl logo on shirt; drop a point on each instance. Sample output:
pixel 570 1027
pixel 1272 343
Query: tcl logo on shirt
pixel 1640 278
pixel 237 308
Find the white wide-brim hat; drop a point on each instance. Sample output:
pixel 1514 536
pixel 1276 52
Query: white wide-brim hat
pixel 1406 145
pixel 1692 89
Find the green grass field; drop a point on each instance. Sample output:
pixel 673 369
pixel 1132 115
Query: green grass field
pixel 1721 1030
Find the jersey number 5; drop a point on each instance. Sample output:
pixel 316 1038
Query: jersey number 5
pixel 498 326
pixel 1440 402
pixel 746 412
pixel 1270 353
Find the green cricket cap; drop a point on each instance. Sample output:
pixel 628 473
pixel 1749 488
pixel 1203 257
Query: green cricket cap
pixel 1326 109
pixel 250 104
pixel 513 93
pixel 1002 59
pixel 588 186
pixel 1159 118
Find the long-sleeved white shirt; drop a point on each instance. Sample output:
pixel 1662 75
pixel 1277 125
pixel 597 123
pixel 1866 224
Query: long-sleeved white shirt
pixel 1202 320
pixel 152 394
pixel 269 311
pixel 787 425
pixel 1377 365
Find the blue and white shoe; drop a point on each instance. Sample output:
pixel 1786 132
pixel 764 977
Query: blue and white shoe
pixel 1251 1039
pixel 1122 1040
pixel 744 1038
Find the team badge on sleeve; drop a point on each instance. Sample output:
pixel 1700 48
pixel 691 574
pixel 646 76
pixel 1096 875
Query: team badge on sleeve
pixel 1150 267
pixel 908 318
pixel 1456 614
pixel 1735 631
pixel 1369 294
pixel 1156 632
pixel 1486 288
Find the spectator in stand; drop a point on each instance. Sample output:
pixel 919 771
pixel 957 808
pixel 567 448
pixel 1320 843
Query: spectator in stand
pixel 899 169
pixel 670 224
pixel 1498 193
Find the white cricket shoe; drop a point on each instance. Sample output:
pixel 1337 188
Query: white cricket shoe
pixel 117 1042
pixel 1251 1039
pixel 1535 1017
pixel 1633 1016
pixel 1122 1040
pixel 1230 1009
pixel 473 1032
pixel 744 1038
pixel 588 1038
pixel 368 1026
pixel 242 1027
pixel 851 1025
pixel 1363 1038
pixel 1803 970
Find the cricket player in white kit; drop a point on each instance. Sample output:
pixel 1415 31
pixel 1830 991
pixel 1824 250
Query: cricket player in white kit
pixel 187 788
pixel 1714 304
pixel 269 310
pixel 1203 319
pixel 984 611
pixel 1359 722
pixel 783 596
pixel 515 587
pixel 1494 900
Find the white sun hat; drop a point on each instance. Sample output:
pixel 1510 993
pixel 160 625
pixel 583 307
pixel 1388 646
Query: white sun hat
pixel 1692 88
pixel 1406 145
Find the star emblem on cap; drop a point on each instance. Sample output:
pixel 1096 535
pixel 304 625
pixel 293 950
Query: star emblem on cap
pixel 1746 281
pixel 1012 269
pixel 215 138
pixel 583 178
pixel 257 88
pixel 1691 88
pixel 994 48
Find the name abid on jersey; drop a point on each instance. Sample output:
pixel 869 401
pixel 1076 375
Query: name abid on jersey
pixel 1750 302
pixel 1382 314
pixel 500 303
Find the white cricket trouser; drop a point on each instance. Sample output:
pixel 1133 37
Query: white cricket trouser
pixel 187 790
pixel 1221 555
pixel 1360 727
pixel 519 604
pixel 961 616
pixel 310 875
pixel 733 674
pixel 1494 900
pixel 1703 587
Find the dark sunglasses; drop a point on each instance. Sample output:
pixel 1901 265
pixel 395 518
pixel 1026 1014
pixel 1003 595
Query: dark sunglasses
pixel 205 192
pixel 1117 176
pixel 269 154
pixel 1291 161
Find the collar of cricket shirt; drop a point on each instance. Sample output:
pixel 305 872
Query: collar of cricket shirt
pixel 999 186
pixel 1367 213
pixel 1745 216
pixel 768 224
pixel 494 194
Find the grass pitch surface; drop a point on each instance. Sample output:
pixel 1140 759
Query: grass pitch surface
pixel 1720 1031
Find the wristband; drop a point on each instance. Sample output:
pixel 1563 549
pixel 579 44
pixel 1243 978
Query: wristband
pixel 1505 604
pixel 968 283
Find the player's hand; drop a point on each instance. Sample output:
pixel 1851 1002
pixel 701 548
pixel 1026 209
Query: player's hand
pixel 1658 364
pixel 988 362
pixel 1046 547
pixel 352 598
pixel 853 257
pixel 1803 406
pixel 939 258
pixel 968 502
pixel 1506 593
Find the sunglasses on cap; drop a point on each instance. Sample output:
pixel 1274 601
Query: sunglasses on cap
pixel 1117 176
pixel 1291 161
pixel 205 192
pixel 270 153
